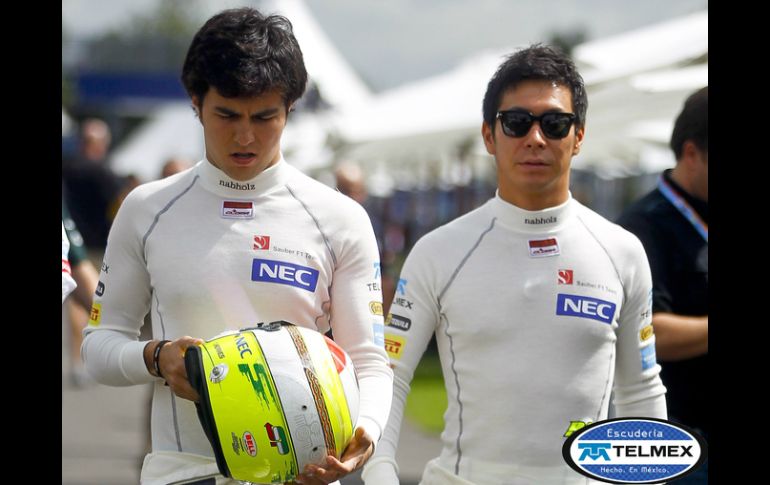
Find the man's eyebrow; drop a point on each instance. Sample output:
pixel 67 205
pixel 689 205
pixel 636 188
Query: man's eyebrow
pixel 229 112
pixel 268 111
pixel 224 110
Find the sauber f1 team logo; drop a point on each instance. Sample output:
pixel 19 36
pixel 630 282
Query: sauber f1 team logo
pixel 261 243
pixel 565 277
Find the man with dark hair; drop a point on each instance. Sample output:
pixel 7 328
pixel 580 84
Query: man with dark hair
pixel 239 239
pixel 536 302
pixel 672 223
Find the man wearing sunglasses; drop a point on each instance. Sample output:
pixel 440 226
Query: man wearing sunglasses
pixel 539 305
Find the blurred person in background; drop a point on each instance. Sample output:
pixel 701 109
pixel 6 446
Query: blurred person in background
pixel 67 283
pixel 174 165
pixel 498 288
pixel 78 305
pixel 90 186
pixel 672 223
pixel 192 249
pixel 351 181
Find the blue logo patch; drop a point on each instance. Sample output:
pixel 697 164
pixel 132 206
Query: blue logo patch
pixel 401 286
pixel 634 450
pixel 284 273
pixel 648 357
pixel 379 334
pixel 585 306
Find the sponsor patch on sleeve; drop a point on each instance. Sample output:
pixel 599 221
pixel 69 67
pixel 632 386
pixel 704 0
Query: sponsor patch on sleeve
pixel 394 345
pixel 648 357
pixel 399 322
pixel 96 315
pixel 379 334
pixel 375 307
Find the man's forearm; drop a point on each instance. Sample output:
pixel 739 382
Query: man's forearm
pixel 679 337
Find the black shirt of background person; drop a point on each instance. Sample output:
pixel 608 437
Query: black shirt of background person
pixel 89 189
pixel 678 258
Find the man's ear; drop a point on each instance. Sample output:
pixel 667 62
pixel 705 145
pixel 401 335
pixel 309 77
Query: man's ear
pixel 196 105
pixel 579 134
pixel 690 152
pixel 488 135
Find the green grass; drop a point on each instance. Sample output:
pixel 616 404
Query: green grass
pixel 427 400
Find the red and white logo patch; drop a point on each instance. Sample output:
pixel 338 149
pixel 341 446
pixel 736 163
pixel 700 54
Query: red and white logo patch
pixel 565 276
pixel 261 243
pixel 542 248
pixel 249 444
pixel 236 209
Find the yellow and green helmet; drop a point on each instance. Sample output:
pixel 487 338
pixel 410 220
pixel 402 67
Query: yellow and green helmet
pixel 273 398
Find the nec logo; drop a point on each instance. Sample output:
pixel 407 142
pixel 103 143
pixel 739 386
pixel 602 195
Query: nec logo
pixel 565 276
pixel 284 273
pixel 583 306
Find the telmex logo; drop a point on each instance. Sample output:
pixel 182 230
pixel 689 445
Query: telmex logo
pixel 634 450
pixel 584 306
pixel 284 273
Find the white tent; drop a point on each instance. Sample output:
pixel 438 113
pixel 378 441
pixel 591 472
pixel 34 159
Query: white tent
pixel 636 83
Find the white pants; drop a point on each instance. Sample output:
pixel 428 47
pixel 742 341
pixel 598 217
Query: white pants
pixel 477 472
pixel 164 468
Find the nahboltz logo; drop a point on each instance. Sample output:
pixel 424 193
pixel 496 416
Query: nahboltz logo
pixel 585 306
pixel 237 186
pixel 541 220
pixel 281 272
pixel 634 450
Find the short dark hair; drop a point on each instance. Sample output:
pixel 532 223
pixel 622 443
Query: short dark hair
pixel 536 62
pixel 692 123
pixel 241 53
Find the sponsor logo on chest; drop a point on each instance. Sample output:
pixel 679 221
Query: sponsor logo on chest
pixel 543 248
pixel 237 209
pixel 585 307
pixel 284 273
pixel 261 243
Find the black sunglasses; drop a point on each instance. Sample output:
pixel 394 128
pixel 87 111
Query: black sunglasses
pixel 517 123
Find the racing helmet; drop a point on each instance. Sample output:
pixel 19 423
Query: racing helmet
pixel 273 398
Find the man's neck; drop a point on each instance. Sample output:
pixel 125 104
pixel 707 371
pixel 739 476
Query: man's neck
pixel 678 175
pixel 533 201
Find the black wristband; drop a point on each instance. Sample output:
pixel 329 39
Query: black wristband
pixel 156 357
